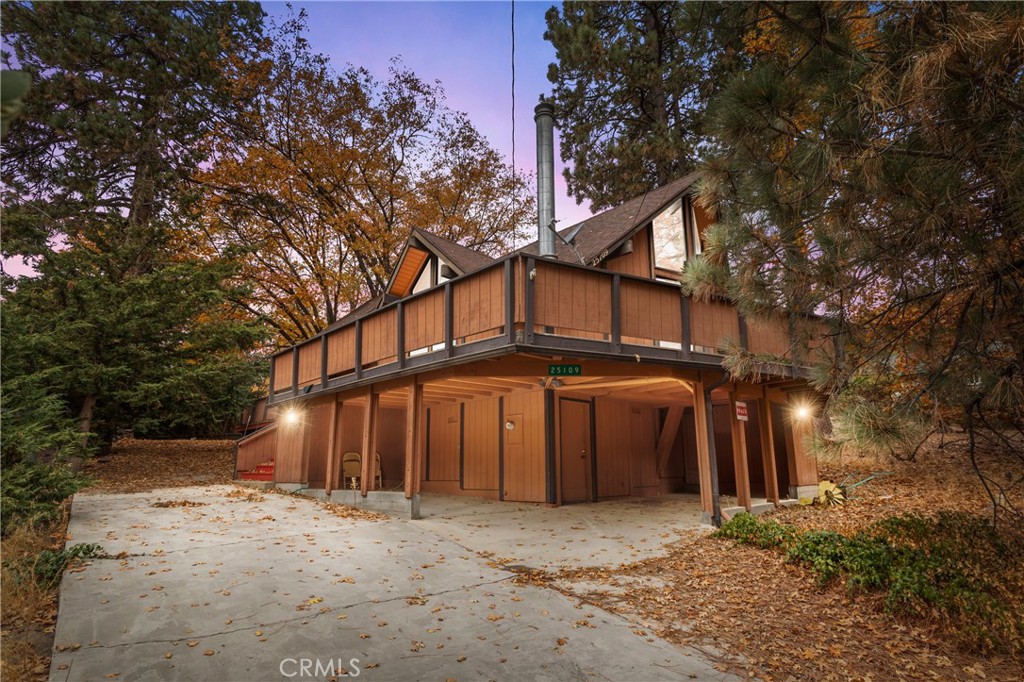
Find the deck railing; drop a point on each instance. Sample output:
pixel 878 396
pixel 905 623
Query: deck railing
pixel 523 301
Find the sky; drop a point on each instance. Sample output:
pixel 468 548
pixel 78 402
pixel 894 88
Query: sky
pixel 467 46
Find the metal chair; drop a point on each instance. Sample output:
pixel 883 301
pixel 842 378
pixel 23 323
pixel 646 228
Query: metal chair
pixel 351 469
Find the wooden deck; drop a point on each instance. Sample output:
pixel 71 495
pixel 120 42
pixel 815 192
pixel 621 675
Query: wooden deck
pixel 522 304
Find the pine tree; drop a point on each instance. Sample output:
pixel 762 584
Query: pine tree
pixel 116 325
pixel 631 85
pixel 869 168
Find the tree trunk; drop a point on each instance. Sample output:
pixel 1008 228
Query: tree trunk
pixel 85 421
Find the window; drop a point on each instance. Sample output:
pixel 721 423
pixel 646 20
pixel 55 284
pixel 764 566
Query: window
pixel 669 243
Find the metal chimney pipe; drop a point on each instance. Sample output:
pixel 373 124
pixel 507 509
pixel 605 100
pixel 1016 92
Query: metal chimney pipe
pixel 544 116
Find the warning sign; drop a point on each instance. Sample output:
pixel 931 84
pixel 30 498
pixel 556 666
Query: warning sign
pixel 741 412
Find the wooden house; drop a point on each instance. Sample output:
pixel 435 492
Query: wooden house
pixel 563 372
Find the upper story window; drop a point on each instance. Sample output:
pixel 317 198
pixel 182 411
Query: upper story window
pixel 672 243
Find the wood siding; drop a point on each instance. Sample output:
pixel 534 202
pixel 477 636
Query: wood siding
pixel 480 445
pixel 318 416
pixel 443 443
pixel 573 302
pixel 639 261
pixel 289 465
pixel 283 371
pixel 424 320
pixel 771 337
pixel 309 363
pixel 525 472
pixel 713 322
pixel 379 336
pixel 257 448
pixel 341 348
pixel 649 313
pixel 613 448
pixel 478 301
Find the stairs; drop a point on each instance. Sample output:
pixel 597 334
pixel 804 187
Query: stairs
pixel 262 472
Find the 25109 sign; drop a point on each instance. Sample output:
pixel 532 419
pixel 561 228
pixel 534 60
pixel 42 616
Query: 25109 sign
pixel 565 370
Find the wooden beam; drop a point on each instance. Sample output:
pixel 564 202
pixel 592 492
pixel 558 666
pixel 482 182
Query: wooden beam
pixel 739 455
pixel 667 439
pixel 764 420
pixel 369 441
pixel 332 440
pixel 700 419
pixel 414 407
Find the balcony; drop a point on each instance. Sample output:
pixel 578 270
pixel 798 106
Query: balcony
pixel 522 304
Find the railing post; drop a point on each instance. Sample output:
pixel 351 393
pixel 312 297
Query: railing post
pixel 687 331
pixel 531 297
pixel 510 302
pixel 358 360
pixel 449 320
pixel 270 393
pixel 295 372
pixel 616 313
pixel 400 341
pixel 323 361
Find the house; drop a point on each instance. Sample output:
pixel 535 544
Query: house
pixel 570 370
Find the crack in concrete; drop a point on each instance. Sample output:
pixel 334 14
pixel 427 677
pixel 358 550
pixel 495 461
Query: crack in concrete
pixel 285 621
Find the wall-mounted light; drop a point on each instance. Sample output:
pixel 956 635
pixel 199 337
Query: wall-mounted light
pixel 291 416
pixel 802 412
pixel 510 425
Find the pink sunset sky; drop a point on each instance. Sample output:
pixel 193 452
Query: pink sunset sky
pixel 467 46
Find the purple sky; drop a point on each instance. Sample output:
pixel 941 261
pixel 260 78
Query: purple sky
pixel 465 45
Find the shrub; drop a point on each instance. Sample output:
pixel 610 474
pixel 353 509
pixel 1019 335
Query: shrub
pixel 750 530
pixel 952 566
pixel 31 492
pixel 47 567
pixel 823 550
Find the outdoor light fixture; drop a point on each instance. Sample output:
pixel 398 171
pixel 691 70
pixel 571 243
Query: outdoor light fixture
pixel 510 425
pixel 802 412
pixel 291 416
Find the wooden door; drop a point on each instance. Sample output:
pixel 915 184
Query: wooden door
pixel 576 450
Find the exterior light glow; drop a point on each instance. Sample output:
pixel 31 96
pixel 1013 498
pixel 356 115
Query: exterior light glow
pixel 802 412
pixel 291 416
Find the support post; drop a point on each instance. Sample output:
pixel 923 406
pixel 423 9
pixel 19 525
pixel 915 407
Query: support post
pixel 413 409
pixel 764 418
pixel 739 455
pixel 323 361
pixel 530 302
pixel 704 445
pixel 616 313
pixel 804 468
pixel 332 445
pixel 449 319
pixel 295 372
pixel 510 302
pixel 366 476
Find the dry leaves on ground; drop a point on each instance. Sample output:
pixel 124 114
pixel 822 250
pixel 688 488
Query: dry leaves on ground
pixel 768 616
pixel 142 465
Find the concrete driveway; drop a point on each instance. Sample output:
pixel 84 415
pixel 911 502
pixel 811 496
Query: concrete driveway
pixel 258 586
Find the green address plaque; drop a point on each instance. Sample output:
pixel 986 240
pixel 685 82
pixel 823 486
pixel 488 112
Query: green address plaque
pixel 565 370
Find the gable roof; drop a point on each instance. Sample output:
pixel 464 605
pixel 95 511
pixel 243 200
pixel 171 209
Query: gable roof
pixel 462 259
pixel 604 232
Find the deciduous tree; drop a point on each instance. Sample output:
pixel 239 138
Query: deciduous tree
pixel 326 174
